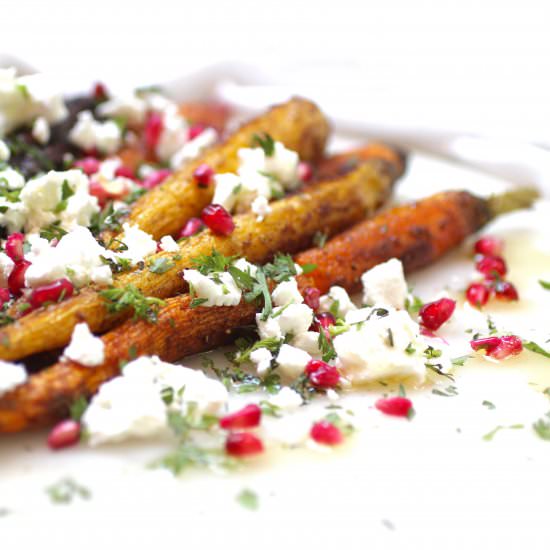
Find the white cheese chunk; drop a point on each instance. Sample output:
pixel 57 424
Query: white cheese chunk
pixel 287 399
pixel 245 266
pixel 174 135
pixel 77 256
pixel 292 361
pixel 130 107
pixel 41 130
pixel 168 244
pixel 385 285
pixel 89 134
pixel 337 294
pixel 84 348
pixel 131 405
pixel 4 151
pixel 11 178
pixel 226 190
pixel 261 357
pixel 219 289
pixel 260 207
pixel 11 376
pixel 308 341
pixel 6 267
pixel 24 98
pixel 283 164
pixel 139 243
pixel 287 293
pixel 192 149
pixel 294 319
pixel 376 349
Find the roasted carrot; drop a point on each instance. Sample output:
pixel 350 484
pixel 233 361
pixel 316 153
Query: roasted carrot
pixel 418 234
pixel 299 124
pixel 328 207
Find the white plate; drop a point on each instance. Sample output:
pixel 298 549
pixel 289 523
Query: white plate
pixel 432 482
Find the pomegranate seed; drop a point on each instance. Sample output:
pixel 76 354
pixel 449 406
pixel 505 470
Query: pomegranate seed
pixel 218 219
pixel 153 129
pixel 100 91
pixel 155 178
pixel 493 267
pixel 322 375
pixel 96 189
pixel 192 227
pixel 394 406
pixel 434 314
pixel 489 246
pixel 16 280
pixel 89 165
pixel 243 444
pixel 203 175
pixel 125 172
pixel 196 130
pixel 325 320
pixel 477 294
pixel 326 433
pixel 64 434
pixel 498 347
pixel 14 247
pixel 506 291
pixel 305 171
pixel 60 289
pixel 311 297
pixel 4 296
pixel 247 417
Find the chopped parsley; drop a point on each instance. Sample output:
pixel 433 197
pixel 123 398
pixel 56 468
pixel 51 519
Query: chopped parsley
pixel 282 269
pixel 196 302
pixel 542 427
pixel 488 404
pixel 121 299
pixel 53 231
pixel 544 284
pixel 66 193
pixel 107 219
pixel 459 361
pixel 206 264
pixel 489 436
pixel 266 142
pixel 449 391
pixel 66 490
pixel 248 499
pixel 345 427
pixel 320 239
pixel 160 266
pixel 534 347
pixel 413 304
pixel 78 408
pixel 326 346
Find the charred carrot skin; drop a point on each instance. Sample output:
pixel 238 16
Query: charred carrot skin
pixel 418 234
pixel 329 207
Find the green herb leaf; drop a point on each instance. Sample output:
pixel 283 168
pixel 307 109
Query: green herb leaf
pixel 459 361
pixel 534 347
pixel 120 299
pixel 196 302
pixel 78 408
pixel 308 268
pixel 266 142
pixel 320 239
pixel 450 391
pixel 282 269
pixel 542 428
pixel 413 304
pixel 160 266
pixel 215 262
pixel 248 499
pixel 65 490
pixel 544 284
pixel 488 404
pixel 489 436
pixel 53 231
pixel 66 193
pixel 327 349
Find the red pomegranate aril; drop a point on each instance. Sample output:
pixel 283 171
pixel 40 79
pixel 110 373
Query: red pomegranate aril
pixel 247 417
pixel 506 291
pixel 155 178
pixel 203 175
pixel 192 227
pixel 434 314
pixel 305 172
pixel 489 246
pixel 64 434
pixel 498 347
pixel 325 319
pixel 89 165
pixel 394 406
pixel 61 289
pixel 326 433
pixel 153 130
pixel 4 296
pixel 96 189
pixel 493 267
pixel 478 294
pixel 125 172
pixel 322 375
pixel 243 444
pixel 311 297
pixel 100 91
pixel 218 219
pixel 195 131
pixel 16 280
pixel 14 246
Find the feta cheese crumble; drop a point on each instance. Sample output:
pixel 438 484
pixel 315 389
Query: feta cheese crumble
pixel 6 267
pixel 292 361
pixel 139 244
pixel 287 399
pixel 4 151
pixel 168 244
pixel 260 207
pixel 218 289
pixel 337 295
pixel 192 149
pixel 84 348
pixel 131 405
pixel 89 134
pixel 41 130
pixel 385 285
pixel 11 376
pixel 262 358
pixel 287 293
pixel 292 319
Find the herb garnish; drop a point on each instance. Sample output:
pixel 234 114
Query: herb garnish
pixel 248 499
pixel 450 391
pixel 78 408
pixel 320 239
pixel 413 304
pixel 534 347
pixel 266 142
pixel 107 219
pixel 542 427
pixel 120 299
pixel 489 436
pixel 53 231
pixel 65 490
pixel 544 284
pixel 160 266
pixel 214 262
pixel 66 193
pixel 488 404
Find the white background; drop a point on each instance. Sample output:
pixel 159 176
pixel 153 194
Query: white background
pixel 470 63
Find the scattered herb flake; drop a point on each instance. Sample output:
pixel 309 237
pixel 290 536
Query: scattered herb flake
pixel 542 428
pixel 266 142
pixel 534 347
pixel 65 490
pixel 120 299
pixel 489 436
pixel 160 266
pixel 544 284
pixel 488 404
pixel 248 499
pixel 320 239
pixel 78 408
